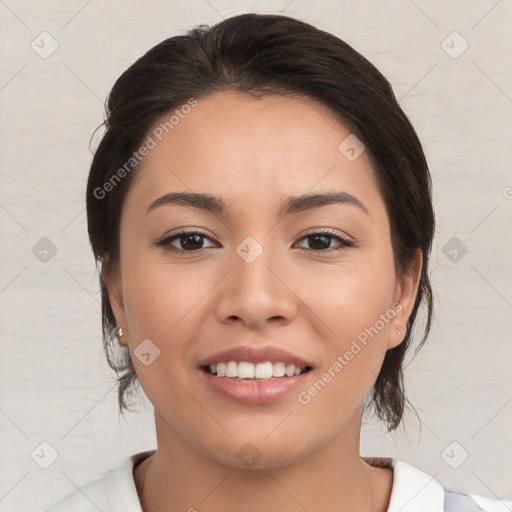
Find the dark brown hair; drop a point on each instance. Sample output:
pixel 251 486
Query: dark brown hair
pixel 268 54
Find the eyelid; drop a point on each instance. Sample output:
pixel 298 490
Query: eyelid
pixel 164 240
pixel 180 231
pixel 344 242
pixel 327 231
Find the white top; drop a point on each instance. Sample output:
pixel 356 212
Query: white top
pixel 412 491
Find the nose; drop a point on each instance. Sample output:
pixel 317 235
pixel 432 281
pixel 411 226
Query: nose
pixel 257 290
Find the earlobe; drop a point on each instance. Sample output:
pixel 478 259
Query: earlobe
pixel 405 298
pixel 112 282
pixel 395 338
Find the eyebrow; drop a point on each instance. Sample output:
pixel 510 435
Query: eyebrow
pixel 292 205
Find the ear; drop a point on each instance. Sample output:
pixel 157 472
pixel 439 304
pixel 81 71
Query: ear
pixel 405 296
pixel 112 279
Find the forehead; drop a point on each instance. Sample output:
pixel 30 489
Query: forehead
pixel 252 150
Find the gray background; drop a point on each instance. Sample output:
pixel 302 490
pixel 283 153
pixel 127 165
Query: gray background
pixel 55 384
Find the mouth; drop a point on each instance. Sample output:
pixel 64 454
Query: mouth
pixel 255 390
pixel 254 376
pixel 245 370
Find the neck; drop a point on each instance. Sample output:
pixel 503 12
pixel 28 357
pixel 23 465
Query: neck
pixel 181 477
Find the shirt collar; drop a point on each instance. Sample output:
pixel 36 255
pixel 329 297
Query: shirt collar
pixel 413 490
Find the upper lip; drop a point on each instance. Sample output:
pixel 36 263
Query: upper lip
pixel 255 355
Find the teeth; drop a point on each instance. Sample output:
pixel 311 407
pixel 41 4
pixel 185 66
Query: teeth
pixel 278 370
pixel 259 371
pixel 245 370
pixel 221 369
pixel 263 370
pixel 232 369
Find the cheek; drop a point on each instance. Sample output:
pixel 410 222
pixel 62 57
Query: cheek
pixel 166 303
pixel 355 302
pixel 350 296
pixel 159 305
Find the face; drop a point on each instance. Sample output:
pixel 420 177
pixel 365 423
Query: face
pixel 317 281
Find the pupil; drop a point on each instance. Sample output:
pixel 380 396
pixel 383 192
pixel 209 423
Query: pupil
pixel 185 241
pixel 321 246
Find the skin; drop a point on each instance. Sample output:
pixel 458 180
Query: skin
pixel 255 153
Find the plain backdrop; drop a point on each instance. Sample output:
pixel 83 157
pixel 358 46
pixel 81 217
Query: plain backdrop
pixel 449 64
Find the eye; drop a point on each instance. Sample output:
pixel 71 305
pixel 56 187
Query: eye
pixel 193 240
pixel 321 241
pixel 189 241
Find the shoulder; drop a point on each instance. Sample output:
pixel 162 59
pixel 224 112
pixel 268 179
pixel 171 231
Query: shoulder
pixel 459 502
pixel 91 497
pixel 416 491
pixel 114 492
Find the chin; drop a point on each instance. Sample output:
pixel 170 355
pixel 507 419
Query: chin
pixel 256 451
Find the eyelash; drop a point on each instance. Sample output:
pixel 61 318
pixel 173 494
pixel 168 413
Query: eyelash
pixel 165 242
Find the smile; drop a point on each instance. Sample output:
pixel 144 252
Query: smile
pixel 244 370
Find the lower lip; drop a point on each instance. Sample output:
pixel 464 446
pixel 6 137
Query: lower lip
pixel 254 392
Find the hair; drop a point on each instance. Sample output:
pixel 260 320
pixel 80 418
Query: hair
pixel 260 54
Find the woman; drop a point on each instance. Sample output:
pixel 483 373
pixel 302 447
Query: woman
pixel 261 210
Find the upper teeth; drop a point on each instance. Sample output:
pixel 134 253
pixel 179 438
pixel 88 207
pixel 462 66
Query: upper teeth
pixel 245 370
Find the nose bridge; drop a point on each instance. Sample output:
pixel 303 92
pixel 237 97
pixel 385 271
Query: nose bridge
pixel 254 290
pixel 253 262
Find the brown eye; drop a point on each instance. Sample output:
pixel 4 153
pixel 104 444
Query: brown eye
pixel 187 242
pixel 193 241
pixel 322 240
